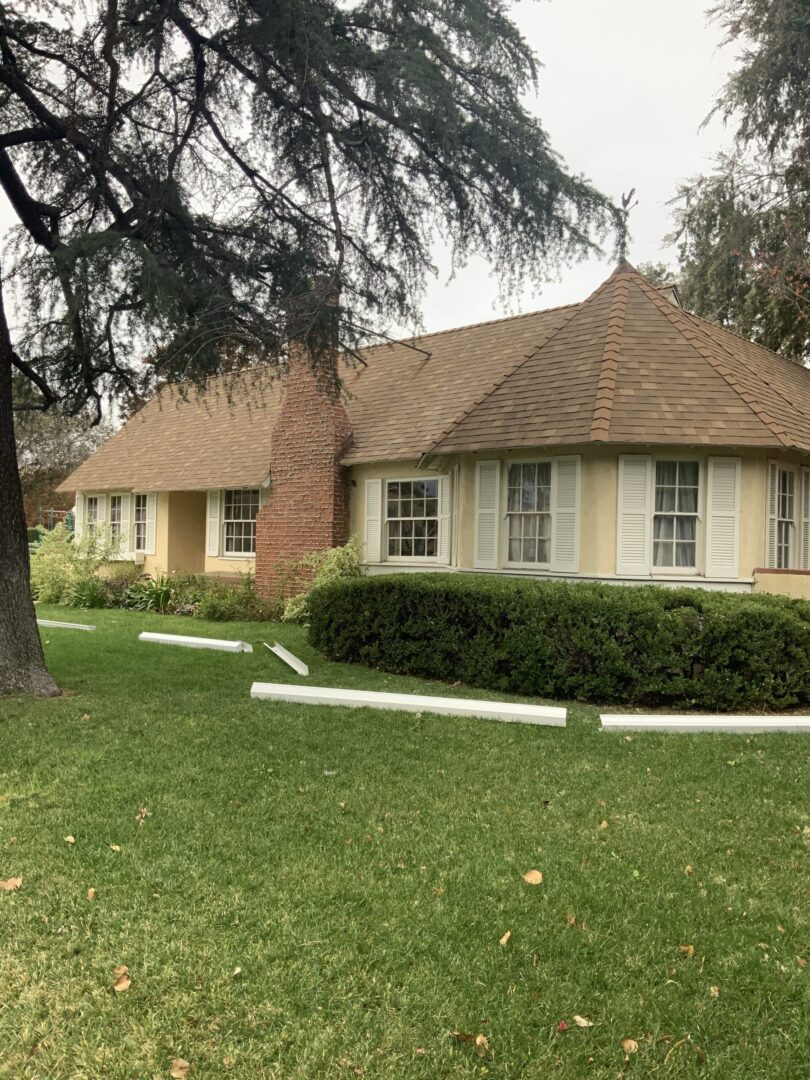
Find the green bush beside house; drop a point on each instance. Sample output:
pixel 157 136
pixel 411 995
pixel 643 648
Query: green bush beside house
pixel 638 646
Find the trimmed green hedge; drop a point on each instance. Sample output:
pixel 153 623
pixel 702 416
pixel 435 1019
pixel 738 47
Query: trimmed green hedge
pixel 644 646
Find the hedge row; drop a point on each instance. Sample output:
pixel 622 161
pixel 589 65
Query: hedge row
pixel 642 646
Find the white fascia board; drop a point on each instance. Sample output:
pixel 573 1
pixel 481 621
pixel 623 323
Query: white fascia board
pixel 64 625
pixel 508 711
pixel 289 658
pixel 686 722
pixel 197 642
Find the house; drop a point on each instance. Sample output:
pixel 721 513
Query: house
pixel 621 439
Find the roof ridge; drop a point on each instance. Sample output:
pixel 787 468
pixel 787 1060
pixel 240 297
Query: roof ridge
pixel 609 369
pixel 695 338
pixel 508 374
pixel 470 326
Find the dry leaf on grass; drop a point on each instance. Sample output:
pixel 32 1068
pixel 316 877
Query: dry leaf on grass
pixel 505 938
pixel 714 991
pixel 629 1046
pixel 800 960
pixel 583 1021
pixel 115 847
pixel 562 1026
pixel 12 884
pixel 123 980
pixel 687 950
pixel 603 824
pixel 478 1041
pixel 91 894
pixel 237 971
pixel 142 815
pixel 179 1068
pixel 70 839
pixel 533 877
pixel 689 870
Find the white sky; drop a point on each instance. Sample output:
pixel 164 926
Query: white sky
pixel 623 91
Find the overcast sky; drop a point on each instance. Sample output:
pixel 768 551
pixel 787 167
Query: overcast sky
pixel 624 89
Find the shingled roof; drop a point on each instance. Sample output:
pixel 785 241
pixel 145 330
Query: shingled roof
pixel 625 366
pixel 629 366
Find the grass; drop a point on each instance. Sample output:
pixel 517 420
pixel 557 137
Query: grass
pixel 361 867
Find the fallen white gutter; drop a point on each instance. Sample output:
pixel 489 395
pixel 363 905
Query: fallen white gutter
pixel 197 642
pixel 289 658
pixel 508 711
pixel 64 625
pixel 686 722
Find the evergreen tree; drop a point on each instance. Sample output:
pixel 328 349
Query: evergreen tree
pixel 744 229
pixel 206 181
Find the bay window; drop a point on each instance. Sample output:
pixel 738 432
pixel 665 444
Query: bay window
pixel 675 520
pixel 528 510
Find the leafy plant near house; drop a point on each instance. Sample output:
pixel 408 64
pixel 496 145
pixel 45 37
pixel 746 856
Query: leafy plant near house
pixel 326 567
pixel 223 602
pixel 61 563
pixel 598 643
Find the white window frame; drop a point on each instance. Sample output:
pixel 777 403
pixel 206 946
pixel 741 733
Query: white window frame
pixel 505 512
pixel 224 522
pixel 121 550
pixel 700 531
pixel 140 548
pixel 793 553
pixel 406 559
pixel 91 523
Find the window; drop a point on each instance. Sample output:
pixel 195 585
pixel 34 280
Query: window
pixel 116 503
pixel 785 518
pixel 528 509
pixel 676 514
pixel 91 512
pixel 140 523
pixel 412 519
pixel 239 521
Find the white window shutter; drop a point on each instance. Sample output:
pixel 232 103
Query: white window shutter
pixel 212 525
pixel 373 520
pixel 151 501
pixel 78 516
pixel 804 539
pixel 487 513
pixel 565 514
pixel 772 507
pixel 125 550
pixel 723 518
pixel 634 518
pixel 444 519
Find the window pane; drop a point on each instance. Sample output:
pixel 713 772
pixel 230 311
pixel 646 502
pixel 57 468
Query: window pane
pixel 431 508
pixel 514 550
pixel 418 508
pixel 419 489
pixel 663 528
pixel 664 498
pixel 666 473
pixel 688 473
pixel 686 528
pixel 529 498
pixel 530 551
pixel 407 548
pixel 419 547
pixel 432 489
pixel 687 500
pixel 684 554
pixel 432 548
pixel 662 554
pixel 544 551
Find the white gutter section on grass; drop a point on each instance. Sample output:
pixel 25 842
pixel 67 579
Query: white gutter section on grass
pixel 686 722
pixel 64 625
pixel 289 658
pixel 197 642
pixel 508 711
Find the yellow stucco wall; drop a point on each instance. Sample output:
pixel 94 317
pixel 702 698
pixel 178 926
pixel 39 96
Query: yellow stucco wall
pixel 794 585
pixel 598 502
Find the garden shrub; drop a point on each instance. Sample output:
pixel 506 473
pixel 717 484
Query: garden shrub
pixel 326 567
pixel 226 602
pixel 641 646
pixel 61 563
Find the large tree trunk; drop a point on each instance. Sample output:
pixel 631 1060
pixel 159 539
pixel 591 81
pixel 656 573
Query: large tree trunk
pixel 22 664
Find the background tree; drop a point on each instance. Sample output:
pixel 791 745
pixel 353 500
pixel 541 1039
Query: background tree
pixel 744 229
pixel 208 181
pixel 50 445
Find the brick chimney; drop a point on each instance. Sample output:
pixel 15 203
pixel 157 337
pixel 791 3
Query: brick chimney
pixel 308 504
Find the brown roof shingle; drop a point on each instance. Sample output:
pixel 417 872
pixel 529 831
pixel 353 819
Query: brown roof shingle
pixel 625 366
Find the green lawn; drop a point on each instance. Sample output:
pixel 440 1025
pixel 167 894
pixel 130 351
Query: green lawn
pixel 360 868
